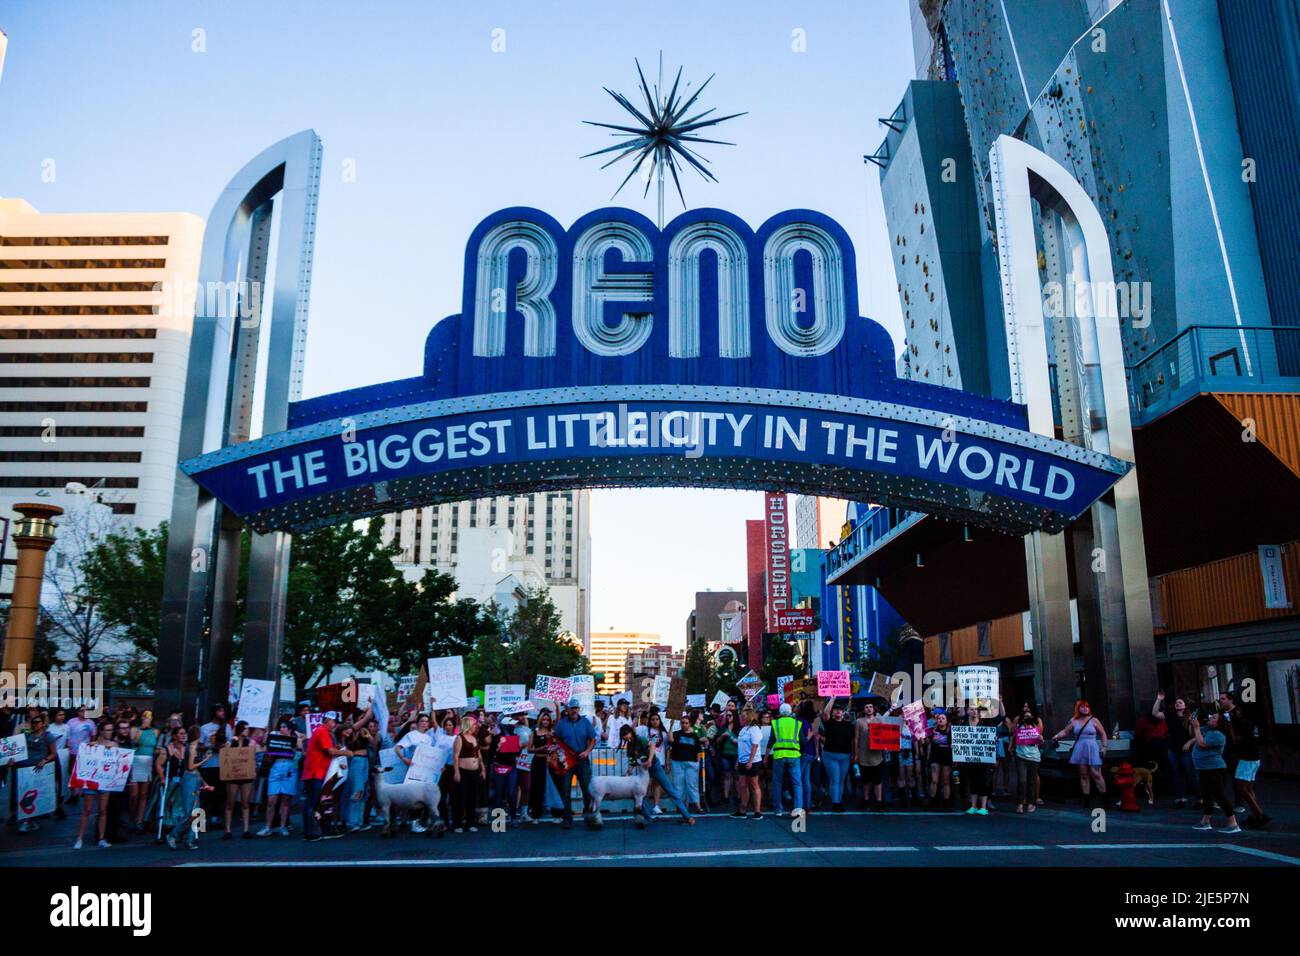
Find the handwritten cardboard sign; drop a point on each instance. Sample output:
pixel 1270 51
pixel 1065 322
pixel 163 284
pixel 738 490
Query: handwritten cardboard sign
pixel 255 700
pixel 237 764
pixel 102 769
pixel 504 698
pixel 833 684
pixel 447 681
pixel 13 749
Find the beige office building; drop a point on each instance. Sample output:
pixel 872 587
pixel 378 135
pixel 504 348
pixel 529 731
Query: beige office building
pixel 96 311
pixel 609 653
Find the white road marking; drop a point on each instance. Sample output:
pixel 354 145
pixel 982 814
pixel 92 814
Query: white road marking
pixel 965 849
pixel 1252 851
pixel 576 858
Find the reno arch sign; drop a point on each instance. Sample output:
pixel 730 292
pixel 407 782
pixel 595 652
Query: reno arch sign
pixel 611 353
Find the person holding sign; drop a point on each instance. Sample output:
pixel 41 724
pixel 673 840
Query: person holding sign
pixel 41 750
pixel 1089 748
pixel 1027 738
pixel 575 734
pixel 979 775
pixel 837 750
pixel 280 767
pixel 871 763
pixel 96 798
pixel 240 791
pixel 939 748
pixel 321 752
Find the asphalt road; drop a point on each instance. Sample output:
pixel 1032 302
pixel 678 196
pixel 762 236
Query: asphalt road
pixel 1049 837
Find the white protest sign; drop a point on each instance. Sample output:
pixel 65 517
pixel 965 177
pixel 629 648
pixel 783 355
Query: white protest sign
pixel 35 793
pixel 977 682
pixel 102 769
pixel 695 700
pixel 365 696
pixel 504 698
pixel 404 687
pixel 447 682
pixel 720 698
pixel 583 687
pixel 555 689
pixel 13 749
pixel 255 699
pixel 313 721
pixel 427 761
pixel 780 685
pixel 659 696
pixel 974 744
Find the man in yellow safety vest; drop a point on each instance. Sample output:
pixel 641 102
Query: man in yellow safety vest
pixel 785 760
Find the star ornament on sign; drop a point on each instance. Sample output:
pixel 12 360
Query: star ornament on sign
pixel 664 134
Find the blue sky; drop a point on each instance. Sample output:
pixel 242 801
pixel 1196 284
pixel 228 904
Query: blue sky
pixel 441 131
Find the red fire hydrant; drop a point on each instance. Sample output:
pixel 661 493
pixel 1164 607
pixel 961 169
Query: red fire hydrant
pixel 1124 782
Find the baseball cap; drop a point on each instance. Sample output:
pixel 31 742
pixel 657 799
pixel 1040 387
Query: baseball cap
pixel 507 721
pixel 331 714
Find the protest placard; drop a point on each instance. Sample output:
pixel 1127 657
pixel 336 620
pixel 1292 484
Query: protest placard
pixel 885 733
pixel 675 706
pixel 255 700
pixel 394 769
pixel 974 744
pixel 447 682
pixel 102 769
pixel 554 689
pixel 880 686
pixel 583 687
pixel 801 689
pixel 280 745
pixel 501 698
pixel 313 721
pixel 914 715
pixel 405 685
pixel 720 698
pixel 978 682
pixel 695 700
pixel 13 749
pixel 780 685
pixel 36 791
pixel 237 764
pixel 427 762
pixel 663 687
pixel 833 684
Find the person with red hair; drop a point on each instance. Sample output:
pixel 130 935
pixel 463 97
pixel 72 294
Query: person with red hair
pixel 1089 748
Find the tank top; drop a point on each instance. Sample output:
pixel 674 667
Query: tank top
pixel 148 741
pixel 468 748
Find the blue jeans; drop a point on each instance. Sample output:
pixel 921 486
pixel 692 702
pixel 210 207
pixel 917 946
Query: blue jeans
pixel 658 775
pixel 805 776
pixel 358 778
pixel 1184 771
pixel 686 780
pixel 311 791
pixel 503 788
pixel 837 768
pixel 780 767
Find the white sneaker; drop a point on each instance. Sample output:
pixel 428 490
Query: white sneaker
pixel 283 831
pixel 265 831
pixel 417 827
pixel 1230 830
pixel 1202 826
pixel 77 845
pixel 655 812
pixel 104 845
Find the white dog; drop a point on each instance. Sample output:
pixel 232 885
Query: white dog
pixel 631 787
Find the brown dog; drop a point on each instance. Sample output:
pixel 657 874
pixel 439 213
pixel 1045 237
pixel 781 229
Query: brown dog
pixel 1143 777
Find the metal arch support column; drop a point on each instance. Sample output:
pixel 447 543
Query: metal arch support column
pixel 201 575
pixel 1114 603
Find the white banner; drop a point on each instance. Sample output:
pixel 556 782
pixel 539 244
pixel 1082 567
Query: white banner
pixel 255 700
pixel 1270 568
pixel 663 686
pixel 36 791
pixel 447 682
pixel 504 698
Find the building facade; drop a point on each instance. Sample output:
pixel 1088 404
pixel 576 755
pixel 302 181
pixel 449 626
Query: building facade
pixel 658 660
pixel 551 531
pixel 96 312
pixel 609 655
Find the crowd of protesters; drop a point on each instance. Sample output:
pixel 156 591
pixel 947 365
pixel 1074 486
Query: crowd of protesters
pixel 734 758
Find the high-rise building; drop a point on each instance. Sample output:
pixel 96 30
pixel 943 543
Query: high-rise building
pixel 1167 114
pixel 704 620
pixel 551 529
pixel 609 657
pixel 96 311
pixel 817 521
pixel 658 660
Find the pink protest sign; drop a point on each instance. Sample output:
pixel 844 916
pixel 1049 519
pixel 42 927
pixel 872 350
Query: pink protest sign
pixel 833 684
pixel 773 701
pixel 914 716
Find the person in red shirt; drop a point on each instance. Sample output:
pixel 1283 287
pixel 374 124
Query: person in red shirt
pixel 320 751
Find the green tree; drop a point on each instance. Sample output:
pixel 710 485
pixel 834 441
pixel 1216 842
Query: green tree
pixel 124 572
pixel 523 644
pixel 780 663
pixel 699 669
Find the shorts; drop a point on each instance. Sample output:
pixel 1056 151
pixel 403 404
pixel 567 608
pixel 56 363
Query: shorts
pixel 142 768
pixel 282 781
pixel 905 758
pixel 872 775
pixel 1246 770
pixel 754 771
